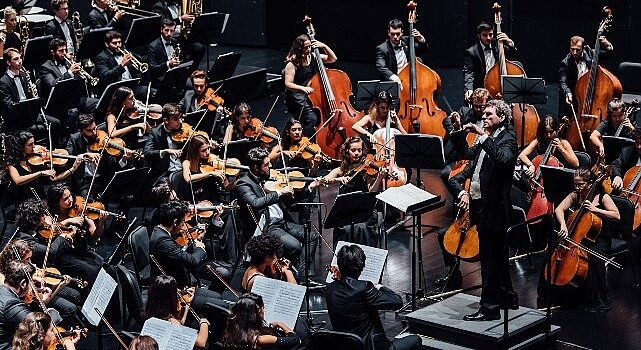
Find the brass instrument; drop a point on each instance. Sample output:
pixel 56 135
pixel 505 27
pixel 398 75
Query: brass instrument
pixel 190 7
pixel 78 33
pixel 177 52
pixel 93 81
pixel 140 66
pixel 128 3
pixel 23 29
pixel 32 87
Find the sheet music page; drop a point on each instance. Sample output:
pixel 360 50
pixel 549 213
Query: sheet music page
pixel 99 297
pixel 170 336
pixel 405 196
pixel 282 300
pixel 374 262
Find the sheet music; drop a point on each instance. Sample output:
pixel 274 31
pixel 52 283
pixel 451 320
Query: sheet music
pixel 405 196
pixel 170 336
pixel 282 300
pixel 99 297
pixel 374 262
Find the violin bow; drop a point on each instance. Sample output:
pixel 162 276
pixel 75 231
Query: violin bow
pixel 384 146
pixel 222 280
pixel 193 198
pixel 111 328
pixel 52 218
pixel 144 116
pixel 162 271
pixel 267 117
pixel 207 96
pixel 578 127
pixel 193 132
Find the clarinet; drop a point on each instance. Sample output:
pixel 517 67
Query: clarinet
pixel 32 87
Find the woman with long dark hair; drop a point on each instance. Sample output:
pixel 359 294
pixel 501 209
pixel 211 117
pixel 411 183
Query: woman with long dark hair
pixel 196 154
pixel 546 134
pixel 247 329
pixel 36 332
pixel 123 101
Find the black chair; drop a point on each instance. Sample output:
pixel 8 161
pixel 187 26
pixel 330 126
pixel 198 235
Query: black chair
pixel 8 216
pixel 179 185
pixel 217 316
pixel 584 159
pixel 621 231
pixel 130 296
pixel 630 75
pixel 323 339
pixel 139 251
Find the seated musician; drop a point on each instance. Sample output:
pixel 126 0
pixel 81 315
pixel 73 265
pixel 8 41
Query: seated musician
pixel 353 153
pixel 121 109
pixel 36 332
pixel 163 303
pixel 546 134
pixel 376 118
pixel 161 152
pixel 63 298
pixel 12 306
pixel 162 53
pixel 247 329
pixel 189 102
pixel 392 55
pixel 261 211
pixel 629 158
pixel 264 251
pixel 594 290
pixel 241 117
pixel 102 15
pixel 198 153
pixel 615 120
pixel 172 10
pixel 113 65
pixel 179 262
pixel 60 25
pixel 9 38
pixel 143 342
pixel 299 70
pixel 25 176
pixel 16 86
pixel 202 97
pixel 353 305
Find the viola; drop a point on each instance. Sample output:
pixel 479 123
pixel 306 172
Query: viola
pixel 398 175
pixel 210 100
pixel 185 296
pixel 256 129
pixel 93 209
pixel 206 208
pixel 185 133
pixel 336 273
pixel 154 111
pixel 461 238
pixel 51 230
pixel 62 335
pixel 115 147
pixel 42 156
pixel 277 269
pixel 52 276
pixel 296 179
pixel 371 167
pixel 231 166
pixel 307 150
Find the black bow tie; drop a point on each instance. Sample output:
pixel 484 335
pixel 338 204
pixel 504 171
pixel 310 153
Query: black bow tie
pixel 398 47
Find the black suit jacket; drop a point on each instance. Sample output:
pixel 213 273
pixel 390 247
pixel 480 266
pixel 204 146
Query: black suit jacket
pixel 495 176
pixel 109 71
pixel 449 149
pixel 474 66
pixel 12 311
pixel 162 9
pixel 157 58
pixel 628 158
pixel 172 258
pixel 40 247
pixel 9 92
pixel 78 145
pixel 568 71
pixel 386 58
pixel 55 29
pixel 157 141
pixel 188 103
pixel 49 74
pixel 97 20
pixel 353 307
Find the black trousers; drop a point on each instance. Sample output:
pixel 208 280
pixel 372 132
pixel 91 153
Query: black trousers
pixel 293 237
pixel 67 302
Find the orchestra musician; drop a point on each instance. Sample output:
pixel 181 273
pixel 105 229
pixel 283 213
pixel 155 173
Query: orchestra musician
pixel 240 122
pixel 121 108
pixel 160 52
pixel 264 251
pixel 246 327
pixel 629 158
pixel 143 342
pixel 189 102
pixel 609 127
pixel 161 152
pixel 102 15
pixel 172 10
pixel 163 302
pixel 60 26
pixel 489 203
pixel 546 134
pixel 36 332
pixel 9 38
pixel 264 212
pixel 299 70
pixel 376 118
pixel 353 304
pixel 480 57
pixel 391 56
pixel 197 152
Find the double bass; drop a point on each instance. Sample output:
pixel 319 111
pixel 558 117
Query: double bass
pixel 594 90
pixel 461 238
pixel 419 111
pixel 332 90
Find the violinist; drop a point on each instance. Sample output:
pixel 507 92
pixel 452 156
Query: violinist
pixel 299 70
pixel 163 302
pixel 265 212
pixel 161 152
pixel 391 56
pixel 196 154
pixel 594 288
pixel 546 134
pixel 376 118
pixel 264 251
pixel 123 101
pixel 190 101
pixel 630 157
pixel 12 306
pixel 36 332
pixel 608 127
pixel 240 121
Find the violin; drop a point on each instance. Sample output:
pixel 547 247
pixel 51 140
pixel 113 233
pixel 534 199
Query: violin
pixel 295 179
pixel 52 276
pixel 42 156
pixel 255 129
pixel 307 150
pixel 185 296
pixel 93 209
pixel 371 166
pixel 231 167
pixel 114 147
pixel 62 335
pixel 188 233
pixel 336 273
pixel 154 111
pixel 210 100
pixel 206 208
pixel 185 133
pixel 277 269
pixel 51 230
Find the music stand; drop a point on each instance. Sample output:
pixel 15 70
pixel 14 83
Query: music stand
pixel 613 145
pixel 36 52
pixel 105 98
pixel 66 94
pixel 349 209
pixel 92 43
pixel 173 82
pixel 23 116
pixel 143 30
pixel 224 66
pixel 208 26
pixel 558 182
pixel 367 90
pixel 124 183
pixel 238 149
pixel 522 90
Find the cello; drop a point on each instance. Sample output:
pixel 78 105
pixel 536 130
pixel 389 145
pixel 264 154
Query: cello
pixel 418 99
pixel 330 98
pixel 461 238
pixel 632 191
pixel 594 90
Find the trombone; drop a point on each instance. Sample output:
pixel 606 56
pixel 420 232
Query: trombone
pixel 93 81
pixel 136 63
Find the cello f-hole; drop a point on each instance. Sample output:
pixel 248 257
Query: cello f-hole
pixel 427 108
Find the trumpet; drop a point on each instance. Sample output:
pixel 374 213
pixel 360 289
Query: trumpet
pixel 140 66
pixel 32 87
pixel 93 81
pixel 177 52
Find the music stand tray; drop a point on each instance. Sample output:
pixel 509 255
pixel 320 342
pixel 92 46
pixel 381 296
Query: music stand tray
pixel 367 90
pixel 124 183
pixel 558 182
pixel 238 149
pixel 419 151
pixel 350 208
pixel 613 145
pixel 105 98
pixel 224 66
pixel 176 77
pixel 66 92
pixel 519 89
pixel 23 116
pixel 208 26
pixel 92 43
pixel 143 30
pixel 36 52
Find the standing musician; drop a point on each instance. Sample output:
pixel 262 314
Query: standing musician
pixel 546 134
pixel 574 65
pixel 102 15
pixel 264 212
pixel 594 289
pixel 376 118
pixel 15 87
pixel 36 332
pixel 489 203
pixel 630 157
pixel 299 70
pixel 480 57
pixel 353 305
pixel 9 38
pixel 60 26
pixel 609 127
pixel 161 152
pixel 162 52
pixel 391 56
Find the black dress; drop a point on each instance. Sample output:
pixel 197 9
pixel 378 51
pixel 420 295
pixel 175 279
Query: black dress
pixel 297 102
pixel 364 232
pixel 12 41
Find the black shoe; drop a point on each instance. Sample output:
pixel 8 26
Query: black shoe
pixel 483 316
pixel 455 279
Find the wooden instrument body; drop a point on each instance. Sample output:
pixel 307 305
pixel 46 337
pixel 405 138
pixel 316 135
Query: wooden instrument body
pixel 339 128
pixel 461 238
pixel 492 80
pixel 539 204
pixel 399 175
pixel 531 123
pixel 632 184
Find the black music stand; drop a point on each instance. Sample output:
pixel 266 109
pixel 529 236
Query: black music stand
pixel 558 182
pixel 173 82
pixel 124 183
pixel 92 43
pixel 366 92
pixel 105 98
pixel 349 209
pixel 238 149
pixel 522 90
pixel 66 94
pixel 206 28
pixel 224 66
pixel 613 145
pixel 36 52
pixel 143 30
pixel 23 116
